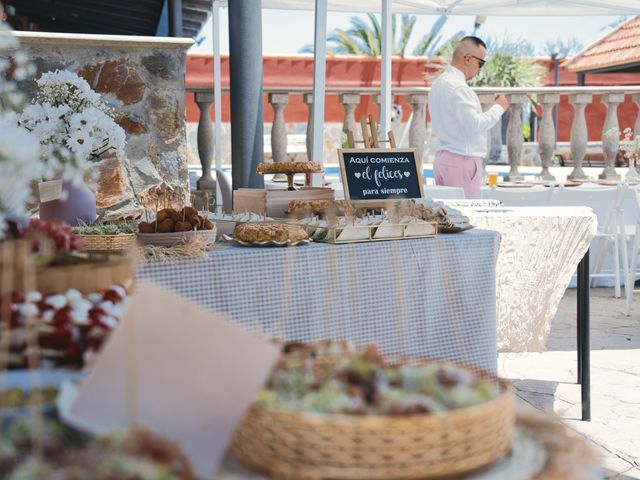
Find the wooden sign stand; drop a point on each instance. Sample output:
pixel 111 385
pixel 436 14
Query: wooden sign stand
pixel 370 135
pixel 371 142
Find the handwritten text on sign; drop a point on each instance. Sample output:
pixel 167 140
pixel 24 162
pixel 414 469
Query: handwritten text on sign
pixel 380 174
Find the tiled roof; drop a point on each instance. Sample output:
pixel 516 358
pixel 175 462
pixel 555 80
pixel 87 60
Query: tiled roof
pixel 619 47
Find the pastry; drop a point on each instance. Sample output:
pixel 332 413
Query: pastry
pixel 289 167
pixel 318 206
pixel 269 232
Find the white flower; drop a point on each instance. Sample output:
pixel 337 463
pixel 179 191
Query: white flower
pixel 73 124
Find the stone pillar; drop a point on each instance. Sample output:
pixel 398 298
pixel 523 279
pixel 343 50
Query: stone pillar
pixel 636 128
pixel 245 77
pixel 308 99
pixel 204 100
pixel 547 140
pixel 349 102
pixel 278 129
pixel 514 136
pixel 487 100
pixel 418 127
pixel 578 133
pixel 610 143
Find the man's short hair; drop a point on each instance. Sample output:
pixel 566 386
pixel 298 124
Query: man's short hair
pixel 475 40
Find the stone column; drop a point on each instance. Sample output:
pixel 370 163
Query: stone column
pixel 245 77
pixel 486 101
pixel 578 133
pixel 514 136
pixel 308 99
pixel 418 127
pixel 636 128
pixel 279 128
pixel 610 142
pixel 547 140
pixel 204 100
pixel 349 102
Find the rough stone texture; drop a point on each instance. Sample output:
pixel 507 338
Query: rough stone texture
pixel 145 86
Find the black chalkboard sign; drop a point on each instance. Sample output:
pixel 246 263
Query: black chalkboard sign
pixel 380 174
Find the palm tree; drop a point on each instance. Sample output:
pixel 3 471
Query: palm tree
pixel 366 38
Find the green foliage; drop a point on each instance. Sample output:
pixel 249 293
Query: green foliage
pixel 365 38
pixel 507 65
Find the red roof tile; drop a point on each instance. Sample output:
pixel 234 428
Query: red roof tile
pixel 619 47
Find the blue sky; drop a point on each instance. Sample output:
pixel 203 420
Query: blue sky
pixel 285 32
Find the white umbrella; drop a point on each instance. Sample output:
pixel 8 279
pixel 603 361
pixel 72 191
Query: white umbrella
pixel 472 7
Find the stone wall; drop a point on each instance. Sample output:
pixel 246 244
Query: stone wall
pixel 143 79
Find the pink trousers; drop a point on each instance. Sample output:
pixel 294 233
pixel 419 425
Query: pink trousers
pixel 455 170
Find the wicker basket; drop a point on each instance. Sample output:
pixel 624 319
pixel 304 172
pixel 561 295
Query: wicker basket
pixel 295 445
pixel 108 243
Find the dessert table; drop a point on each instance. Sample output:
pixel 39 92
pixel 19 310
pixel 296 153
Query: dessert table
pixel 422 297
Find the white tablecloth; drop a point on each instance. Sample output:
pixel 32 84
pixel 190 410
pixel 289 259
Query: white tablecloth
pixel 540 250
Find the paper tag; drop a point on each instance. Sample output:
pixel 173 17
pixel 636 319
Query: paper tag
pixel 49 191
pixel 187 374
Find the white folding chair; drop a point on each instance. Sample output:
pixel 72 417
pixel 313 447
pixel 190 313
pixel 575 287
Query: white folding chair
pixel 629 282
pixel 605 203
pixel 522 197
pixel 442 191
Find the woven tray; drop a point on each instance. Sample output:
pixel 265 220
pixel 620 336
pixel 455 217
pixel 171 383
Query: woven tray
pixel 294 445
pixel 108 243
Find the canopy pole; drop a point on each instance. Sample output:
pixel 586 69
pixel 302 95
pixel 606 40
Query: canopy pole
pixel 319 78
pixel 175 18
pixel 217 97
pixel 385 69
pixel 245 76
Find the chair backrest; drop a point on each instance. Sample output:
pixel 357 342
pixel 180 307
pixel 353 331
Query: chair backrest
pixel 522 197
pixel 602 200
pixel 225 190
pixel 442 191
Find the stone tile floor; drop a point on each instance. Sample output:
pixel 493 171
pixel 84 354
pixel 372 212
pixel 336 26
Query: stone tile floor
pixel 547 380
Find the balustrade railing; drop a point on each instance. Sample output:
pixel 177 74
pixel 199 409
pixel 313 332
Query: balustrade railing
pixel 548 97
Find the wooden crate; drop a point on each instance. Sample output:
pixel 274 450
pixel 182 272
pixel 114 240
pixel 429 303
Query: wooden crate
pixel 274 203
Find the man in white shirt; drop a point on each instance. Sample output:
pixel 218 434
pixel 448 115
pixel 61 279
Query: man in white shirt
pixel 458 120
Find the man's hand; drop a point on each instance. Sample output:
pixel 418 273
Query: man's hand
pixel 502 101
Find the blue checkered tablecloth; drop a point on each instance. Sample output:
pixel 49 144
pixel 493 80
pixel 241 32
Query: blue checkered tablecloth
pixel 431 297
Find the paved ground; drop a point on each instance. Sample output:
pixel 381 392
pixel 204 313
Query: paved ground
pixel 547 380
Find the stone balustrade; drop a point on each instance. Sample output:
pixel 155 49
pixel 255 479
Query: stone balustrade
pixel 548 97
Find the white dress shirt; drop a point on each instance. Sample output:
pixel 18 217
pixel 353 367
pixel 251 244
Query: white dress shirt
pixel 457 117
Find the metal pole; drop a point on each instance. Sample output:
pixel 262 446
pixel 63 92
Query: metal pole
pixel 319 78
pixel 554 56
pixel 245 75
pixel 217 97
pixel 385 67
pixel 175 18
pixel 584 347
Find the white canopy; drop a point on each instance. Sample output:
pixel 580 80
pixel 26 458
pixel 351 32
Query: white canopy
pixel 472 7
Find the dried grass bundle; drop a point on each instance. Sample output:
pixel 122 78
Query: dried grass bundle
pixel 196 247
